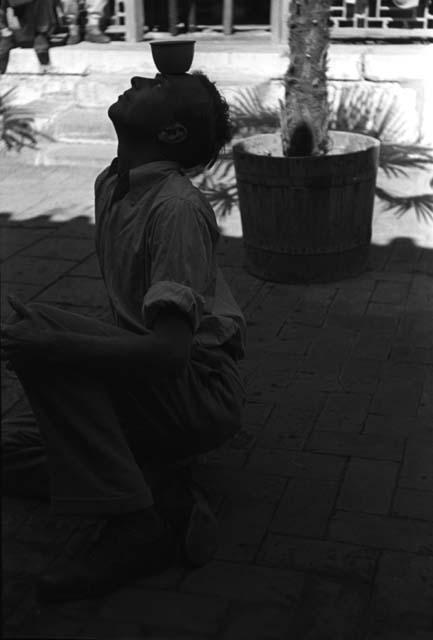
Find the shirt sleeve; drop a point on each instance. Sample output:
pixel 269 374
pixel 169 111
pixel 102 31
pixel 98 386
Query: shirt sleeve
pixel 181 262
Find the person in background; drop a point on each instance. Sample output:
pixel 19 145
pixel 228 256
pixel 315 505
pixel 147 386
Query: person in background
pixel 36 19
pixel 95 12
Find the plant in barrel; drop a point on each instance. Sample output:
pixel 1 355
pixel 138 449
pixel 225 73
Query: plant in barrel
pixel 305 110
pixel 306 193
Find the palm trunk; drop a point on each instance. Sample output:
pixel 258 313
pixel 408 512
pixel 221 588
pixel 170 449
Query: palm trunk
pixel 304 118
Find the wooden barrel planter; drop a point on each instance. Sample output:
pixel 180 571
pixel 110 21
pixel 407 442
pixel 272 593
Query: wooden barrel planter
pixel 306 219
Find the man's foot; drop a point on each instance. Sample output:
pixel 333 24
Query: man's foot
pixel 94 34
pixel 196 526
pixel 74 35
pixel 42 47
pixel 6 44
pixel 128 546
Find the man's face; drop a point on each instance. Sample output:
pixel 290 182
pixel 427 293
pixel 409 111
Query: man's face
pixel 149 105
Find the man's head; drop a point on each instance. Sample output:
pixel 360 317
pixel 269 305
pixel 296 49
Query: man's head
pixel 185 116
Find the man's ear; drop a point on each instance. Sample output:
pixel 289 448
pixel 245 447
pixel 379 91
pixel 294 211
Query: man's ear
pixel 173 134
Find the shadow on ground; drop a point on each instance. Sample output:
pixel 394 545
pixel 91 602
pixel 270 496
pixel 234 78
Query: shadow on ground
pixel 323 497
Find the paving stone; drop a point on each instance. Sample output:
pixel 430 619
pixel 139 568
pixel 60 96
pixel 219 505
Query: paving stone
pixel 331 609
pixel 404 591
pixel 403 353
pixel 350 301
pixel 79 226
pixel 242 485
pixel 400 391
pixel 64 248
pixel 405 255
pixel 286 433
pixel 246 583
pixel 88 268
pixel 416 329
pixel 76 291
pixel 358 445
pixel 382 532
pixel 257 413
pixel 297 339
pixel 241 528
pixel 386 634
pixel 305 507
pixel 399 426
pixel 321 373
pixel 410 503
pixel 417 468
pixel 397 397
pixel 309 313
pixel 373 344
pixel 48 622
pixel 102 628
pixel 335 345
pixel 318 556
pixel 344 412
pixel 166 610
pixel 36 271
pixel 249 623
pixel 425 262
pixel 295 463
pixel 299 399
pixel 243 286
pixel 225 457
pixel 390 293
pixel 368 486
pixel 379 316
pixel 361 375
pixel 13 239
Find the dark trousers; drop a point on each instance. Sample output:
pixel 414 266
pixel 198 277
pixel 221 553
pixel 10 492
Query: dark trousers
pixel 93 442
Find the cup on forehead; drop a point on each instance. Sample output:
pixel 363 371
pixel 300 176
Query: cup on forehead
pixel 173 57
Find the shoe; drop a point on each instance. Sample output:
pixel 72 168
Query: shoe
pixel 192 519
pixel 6 44
pixel 126 548
pixel 74 35
pixel 41 47
pixel 94 34
pixel 200 540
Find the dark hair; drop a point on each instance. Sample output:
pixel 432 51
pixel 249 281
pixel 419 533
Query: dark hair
pixel 209 127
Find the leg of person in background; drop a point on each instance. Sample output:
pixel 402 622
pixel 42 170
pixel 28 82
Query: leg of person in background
pixel 6 38
pixel 37 19
pixel 72 13
pixel 95 10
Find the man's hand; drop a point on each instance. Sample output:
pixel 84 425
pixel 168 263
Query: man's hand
pixel 23 341
pixel 20 342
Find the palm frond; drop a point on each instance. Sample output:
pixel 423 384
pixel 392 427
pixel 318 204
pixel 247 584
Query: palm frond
pixel 17 128
pixel 396 159
pixel 421 204
pixel 251 115
pixel 219 186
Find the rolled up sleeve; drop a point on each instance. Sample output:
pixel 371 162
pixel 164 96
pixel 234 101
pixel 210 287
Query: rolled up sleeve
pixel 182 263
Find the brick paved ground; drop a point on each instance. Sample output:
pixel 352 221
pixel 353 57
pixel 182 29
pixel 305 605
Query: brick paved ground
pixel 325 498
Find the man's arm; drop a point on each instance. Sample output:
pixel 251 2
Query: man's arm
pixel 163 351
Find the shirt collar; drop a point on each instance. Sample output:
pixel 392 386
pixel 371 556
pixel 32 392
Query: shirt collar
pixel 146 175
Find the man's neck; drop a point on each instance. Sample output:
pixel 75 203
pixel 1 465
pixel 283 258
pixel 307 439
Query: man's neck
pixel 130 157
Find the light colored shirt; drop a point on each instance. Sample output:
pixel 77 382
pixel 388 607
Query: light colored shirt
pixel 156 245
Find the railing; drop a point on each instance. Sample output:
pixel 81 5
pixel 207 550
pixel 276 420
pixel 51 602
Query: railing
pixel 378 19
pixel 382 19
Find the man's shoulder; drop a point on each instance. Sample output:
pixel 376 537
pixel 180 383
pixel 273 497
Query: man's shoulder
pixel 105 174
pixel 182 198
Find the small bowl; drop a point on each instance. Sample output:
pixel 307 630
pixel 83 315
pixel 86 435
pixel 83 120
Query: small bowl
pixel 173 56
